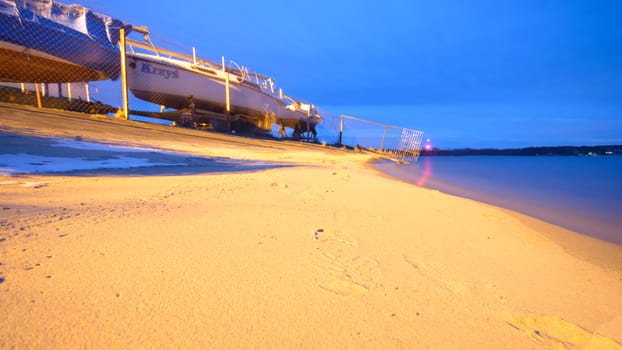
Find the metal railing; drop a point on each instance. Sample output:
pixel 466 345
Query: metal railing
pixel 389 141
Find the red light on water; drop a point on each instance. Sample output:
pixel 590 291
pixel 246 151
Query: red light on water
pixel 426 173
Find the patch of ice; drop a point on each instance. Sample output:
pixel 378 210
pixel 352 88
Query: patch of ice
pixel 34 184
pixel 93 146
pixel 28 163
pixel 244 162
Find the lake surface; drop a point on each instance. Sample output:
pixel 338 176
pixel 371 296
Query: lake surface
pixel 583 194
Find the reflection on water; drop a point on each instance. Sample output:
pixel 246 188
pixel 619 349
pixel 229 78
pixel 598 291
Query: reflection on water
pixel 583 194
pixel 426 173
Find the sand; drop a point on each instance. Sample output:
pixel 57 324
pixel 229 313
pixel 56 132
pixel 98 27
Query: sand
pixel 309 248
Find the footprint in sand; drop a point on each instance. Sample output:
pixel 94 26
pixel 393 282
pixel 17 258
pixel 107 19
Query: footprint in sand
pixel 331 240
pixel 349 276
pixel 436 275
pixel 555 333
pixel 344 287
pixel 342 271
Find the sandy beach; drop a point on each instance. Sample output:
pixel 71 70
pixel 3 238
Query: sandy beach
pixel 226 242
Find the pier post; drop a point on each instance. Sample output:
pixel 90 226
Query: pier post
pixel 340 128
pixel 88 93
pixel 123 73
pixel 384 136
pixel 38 93
pixel 308 122
pixel 227 95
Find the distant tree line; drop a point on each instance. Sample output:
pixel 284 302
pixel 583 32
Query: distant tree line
pixel 608 150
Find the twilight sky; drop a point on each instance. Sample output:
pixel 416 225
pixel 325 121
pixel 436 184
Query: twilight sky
pixel 479 73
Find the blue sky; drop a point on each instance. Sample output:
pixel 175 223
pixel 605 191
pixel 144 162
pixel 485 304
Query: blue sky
pixel 480 73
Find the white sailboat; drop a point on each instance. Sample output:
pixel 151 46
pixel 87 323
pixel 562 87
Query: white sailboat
pixel 178 81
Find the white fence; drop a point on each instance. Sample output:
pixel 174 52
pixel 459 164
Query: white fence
pixel 398 143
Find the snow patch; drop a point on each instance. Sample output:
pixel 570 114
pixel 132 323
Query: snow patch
pixel 92 146
pixel 27 163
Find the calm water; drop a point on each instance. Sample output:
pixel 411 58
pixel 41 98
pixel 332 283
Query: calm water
pixel 583 194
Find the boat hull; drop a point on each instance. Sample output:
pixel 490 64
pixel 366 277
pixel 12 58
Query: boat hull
pixel 36 47
pixel 177 84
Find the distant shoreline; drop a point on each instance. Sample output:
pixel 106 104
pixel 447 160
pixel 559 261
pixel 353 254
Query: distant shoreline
pixel 606 150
